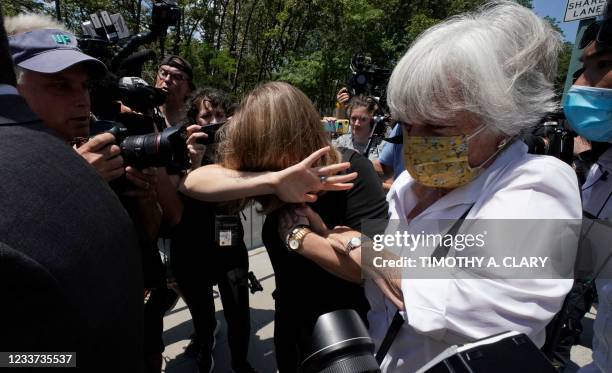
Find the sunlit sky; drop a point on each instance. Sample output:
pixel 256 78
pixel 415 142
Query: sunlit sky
pixel 556 9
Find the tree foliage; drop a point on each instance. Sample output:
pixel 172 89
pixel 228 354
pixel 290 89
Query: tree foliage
pixel 236 44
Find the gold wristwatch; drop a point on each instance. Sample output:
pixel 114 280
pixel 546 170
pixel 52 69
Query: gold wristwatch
pixel 296 237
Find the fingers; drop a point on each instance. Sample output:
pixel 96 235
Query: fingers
pixel 332 169
pixel 99 141
pixel 109 152
pixel 111 164
pixel 196 148
pixel 311 159
pixel 310 198
pixel 112 174
pixel 193 128
pixel 317 224
pixel 341 178
pixel 194 137
pixel 145 179
pixel 335 244
pixel 338 187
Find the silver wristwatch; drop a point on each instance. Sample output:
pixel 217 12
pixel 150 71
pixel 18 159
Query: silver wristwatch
pixel 354 243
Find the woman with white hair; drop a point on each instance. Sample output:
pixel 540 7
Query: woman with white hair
pixel 464 90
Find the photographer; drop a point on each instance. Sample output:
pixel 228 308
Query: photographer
pixel 593 91
pixel 174 77
pixel 361 110
pixel 51 68
pixel 72 280
pixel 214 260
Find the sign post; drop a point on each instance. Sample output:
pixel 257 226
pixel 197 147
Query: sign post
pixel 582 9
pixel 585 11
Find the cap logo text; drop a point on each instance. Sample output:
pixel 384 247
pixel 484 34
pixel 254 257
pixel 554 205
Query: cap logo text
pixel 61 39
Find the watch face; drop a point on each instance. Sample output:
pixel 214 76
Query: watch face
pixel 294 244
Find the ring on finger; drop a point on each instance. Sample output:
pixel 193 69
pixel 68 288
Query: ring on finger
pixel 323 179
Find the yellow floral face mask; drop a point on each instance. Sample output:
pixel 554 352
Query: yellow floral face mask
pixel 440 161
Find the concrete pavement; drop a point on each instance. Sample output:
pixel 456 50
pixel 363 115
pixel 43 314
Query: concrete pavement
pixel 178 327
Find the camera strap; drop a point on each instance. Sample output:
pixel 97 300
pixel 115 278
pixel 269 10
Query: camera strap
pixel 398 320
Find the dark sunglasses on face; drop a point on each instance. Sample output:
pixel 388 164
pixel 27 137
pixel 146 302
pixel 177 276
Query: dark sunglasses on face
pixel 600 32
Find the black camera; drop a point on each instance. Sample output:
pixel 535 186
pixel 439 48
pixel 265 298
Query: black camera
pixel 552 136
pixel 108 94
pixel 380 127
pixel 107 38
pixel 136 94
pixel 339 343
pixel 142 150
pixel 165 13
pixel 211 131
pixel 366 78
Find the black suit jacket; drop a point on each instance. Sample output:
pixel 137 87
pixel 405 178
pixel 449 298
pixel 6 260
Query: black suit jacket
pixel 70 267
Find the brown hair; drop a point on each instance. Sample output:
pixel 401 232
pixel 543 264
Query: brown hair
pixel 361 100
pixel 275 127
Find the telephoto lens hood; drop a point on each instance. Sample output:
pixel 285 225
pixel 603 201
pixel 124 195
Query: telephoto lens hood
pixel 339 343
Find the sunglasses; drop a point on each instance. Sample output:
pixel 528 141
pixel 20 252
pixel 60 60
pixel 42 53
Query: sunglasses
pixel 600 32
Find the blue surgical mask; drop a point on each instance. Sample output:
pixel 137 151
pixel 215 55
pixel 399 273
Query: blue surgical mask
pixel 589 112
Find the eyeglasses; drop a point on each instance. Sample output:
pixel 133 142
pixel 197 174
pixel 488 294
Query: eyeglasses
pixel 600 32
pixel 163 73
pixel 362 119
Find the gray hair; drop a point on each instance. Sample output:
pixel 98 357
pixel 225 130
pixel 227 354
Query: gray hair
pixel 26 22
pixel 498 63
pixel 19 73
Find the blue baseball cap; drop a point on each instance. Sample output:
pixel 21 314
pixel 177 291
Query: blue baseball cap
pixel 50 51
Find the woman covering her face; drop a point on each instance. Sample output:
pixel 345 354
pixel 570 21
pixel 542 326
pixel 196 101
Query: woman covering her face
pixel 275 128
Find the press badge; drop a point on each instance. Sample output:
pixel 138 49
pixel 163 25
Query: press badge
pixel 227 230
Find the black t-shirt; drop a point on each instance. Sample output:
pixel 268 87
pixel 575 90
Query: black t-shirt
pixel 304 290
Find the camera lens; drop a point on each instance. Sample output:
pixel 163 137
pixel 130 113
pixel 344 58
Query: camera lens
pixel 339 343
pixel 142 151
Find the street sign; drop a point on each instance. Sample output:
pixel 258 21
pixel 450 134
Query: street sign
pixel 581 9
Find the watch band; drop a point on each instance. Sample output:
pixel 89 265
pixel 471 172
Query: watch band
pixel 354 243
pixel 296 236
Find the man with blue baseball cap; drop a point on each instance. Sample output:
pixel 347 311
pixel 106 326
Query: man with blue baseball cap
pixel 53 76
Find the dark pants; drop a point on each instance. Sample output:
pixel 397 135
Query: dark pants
pixel 196 271
pixel 285 342
pixel 154 309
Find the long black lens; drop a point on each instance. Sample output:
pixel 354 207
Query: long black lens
pixel 339 343
pixel 142 151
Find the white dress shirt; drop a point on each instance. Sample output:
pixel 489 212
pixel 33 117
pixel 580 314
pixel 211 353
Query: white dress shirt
pixel 443 312
pixel 596 193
